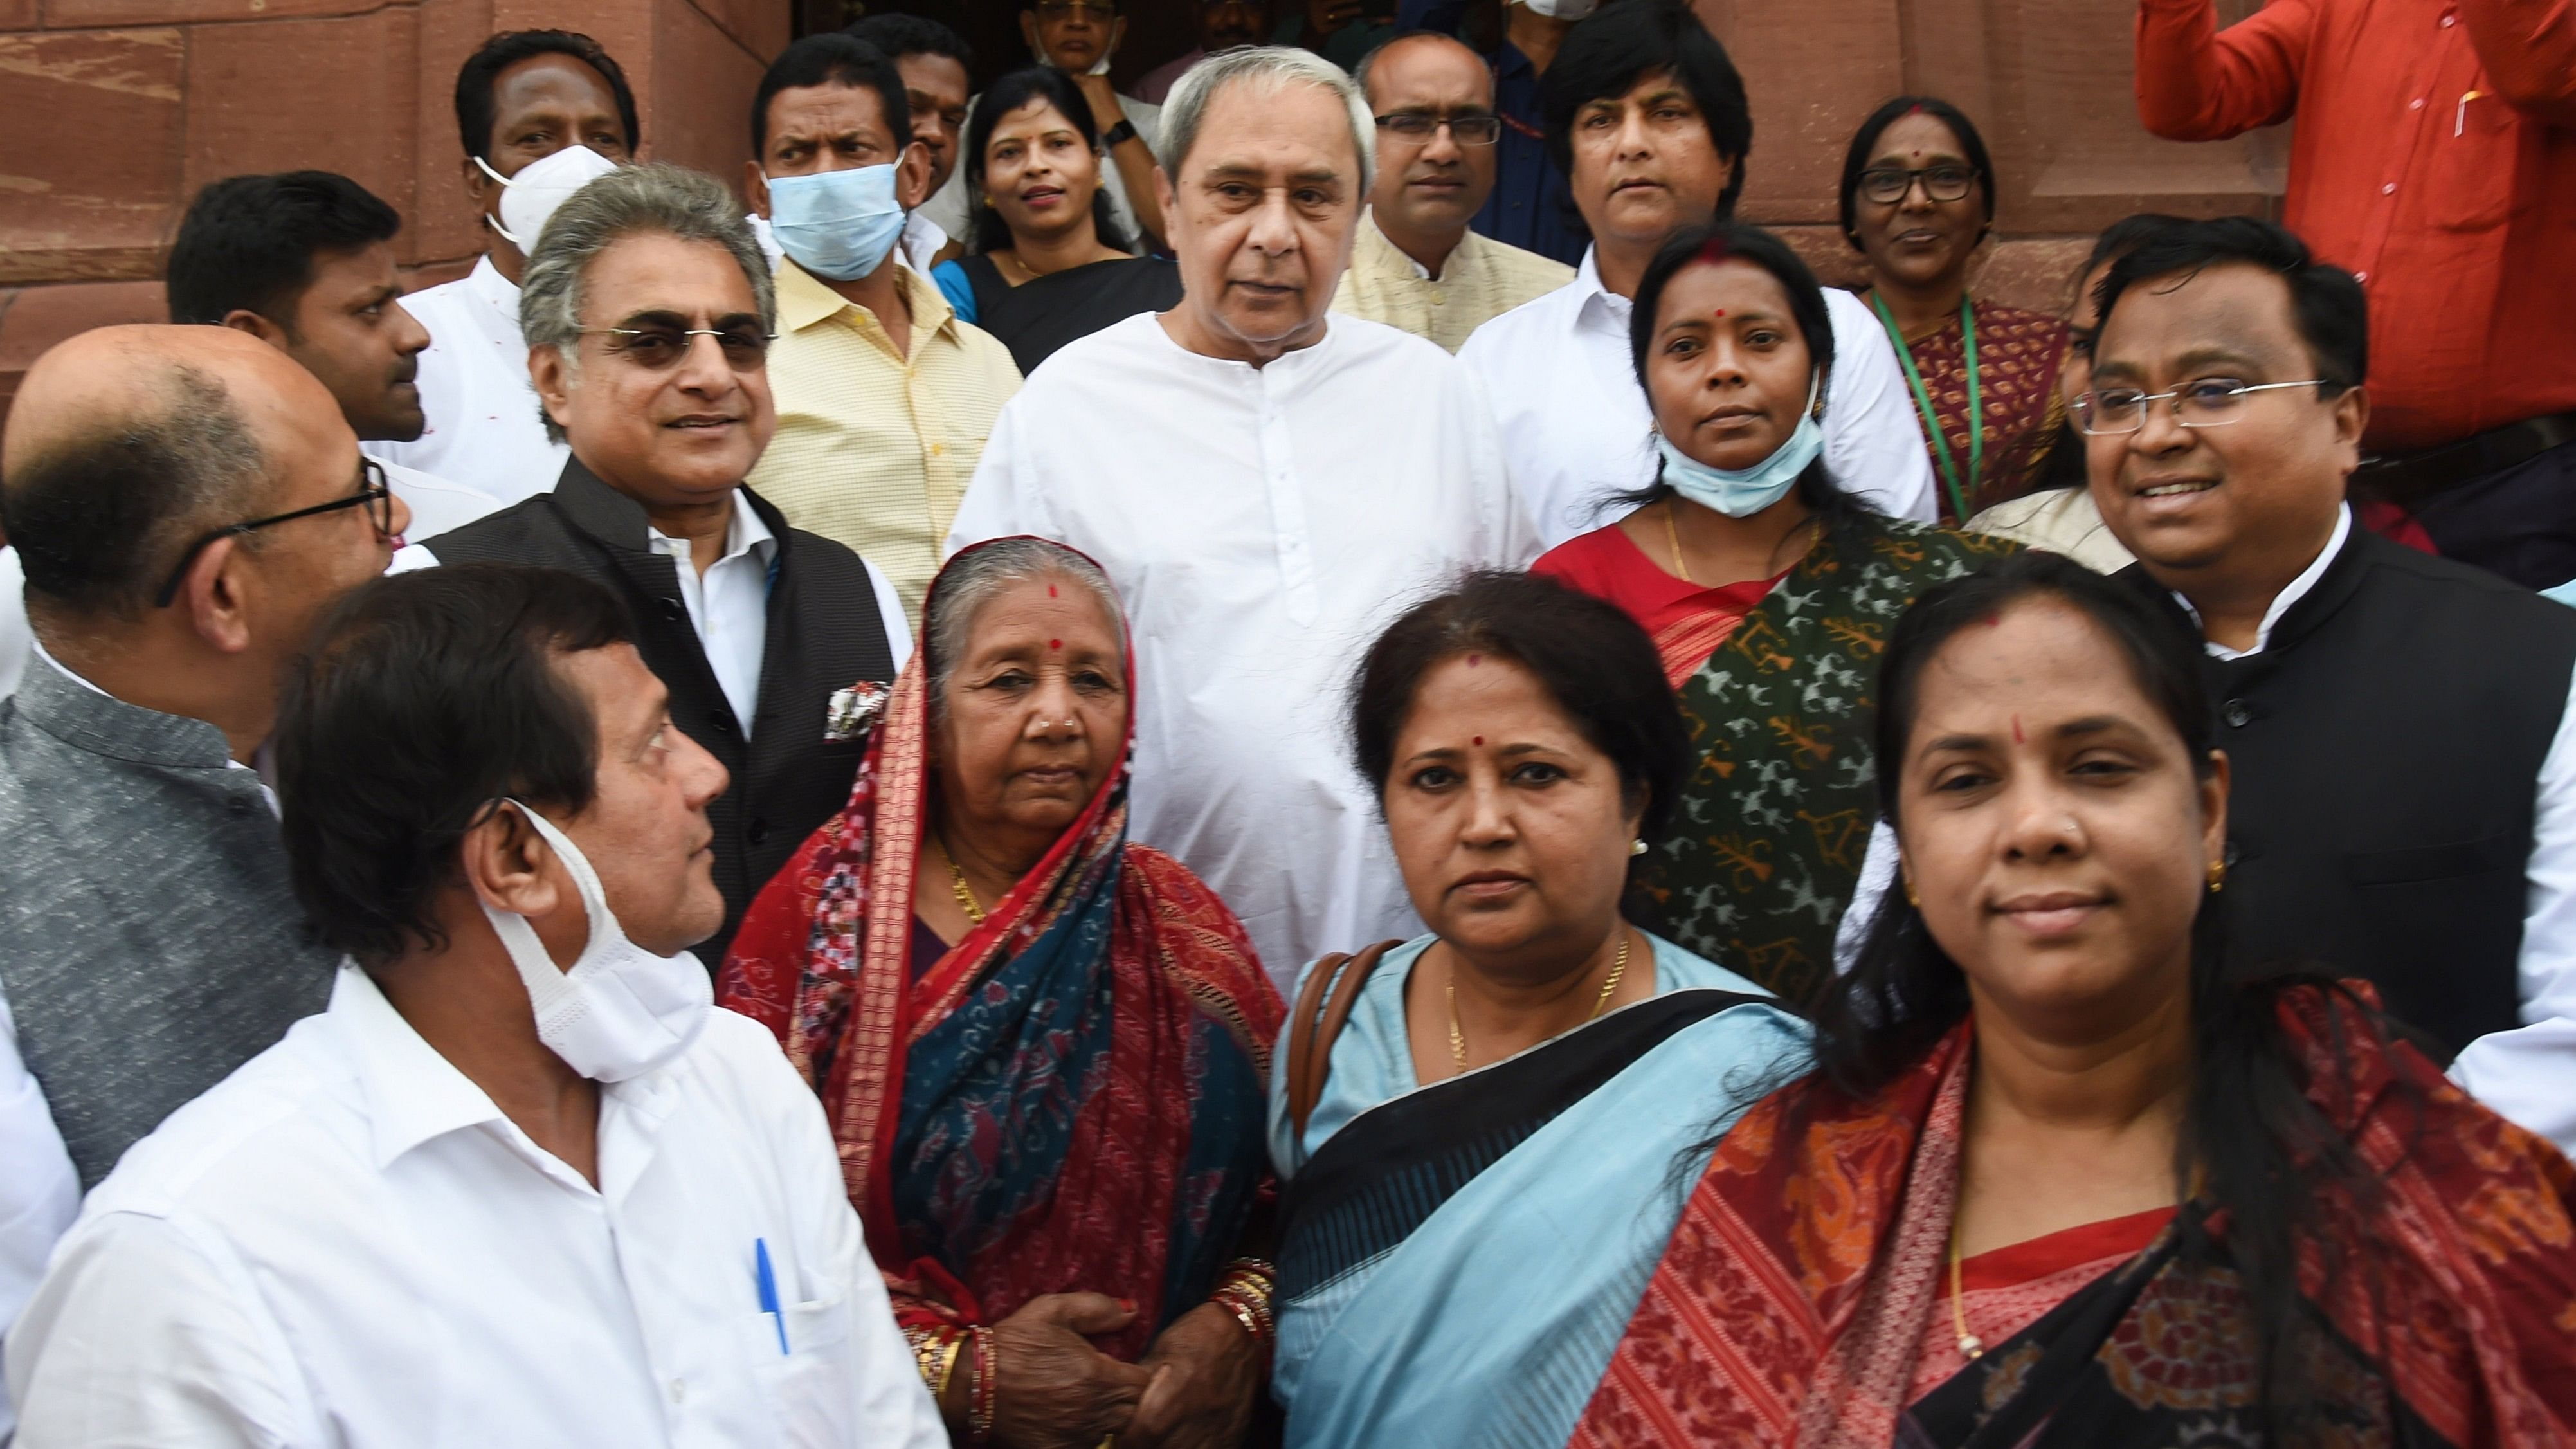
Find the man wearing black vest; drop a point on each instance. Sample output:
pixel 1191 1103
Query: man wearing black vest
pixel 647 309
pixel 2405 775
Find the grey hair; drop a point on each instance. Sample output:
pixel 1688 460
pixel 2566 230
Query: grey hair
pixel 971 581
pixel 1267 70
pixel 653 197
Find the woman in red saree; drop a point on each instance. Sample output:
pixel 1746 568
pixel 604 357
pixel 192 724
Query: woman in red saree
pixel 1042 1048
pixel 2058 1180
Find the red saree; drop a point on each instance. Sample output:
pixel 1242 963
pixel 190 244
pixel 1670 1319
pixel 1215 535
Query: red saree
pixel 1687 621
pixel 1794 1295
pixel 1071 1100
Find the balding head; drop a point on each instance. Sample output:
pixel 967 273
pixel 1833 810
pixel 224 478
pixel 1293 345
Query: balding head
pixel 126 442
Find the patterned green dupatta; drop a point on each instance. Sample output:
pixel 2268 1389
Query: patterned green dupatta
pixel 1773 823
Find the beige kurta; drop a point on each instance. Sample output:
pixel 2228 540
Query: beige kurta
pixel 1481 280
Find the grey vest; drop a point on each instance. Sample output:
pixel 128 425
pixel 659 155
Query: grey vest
pixel 149 943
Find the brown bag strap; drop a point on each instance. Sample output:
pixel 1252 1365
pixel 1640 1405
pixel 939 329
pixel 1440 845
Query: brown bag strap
pixel 1312 1031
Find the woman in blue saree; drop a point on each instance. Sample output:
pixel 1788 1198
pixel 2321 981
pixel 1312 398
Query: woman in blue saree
pixel 1479 1129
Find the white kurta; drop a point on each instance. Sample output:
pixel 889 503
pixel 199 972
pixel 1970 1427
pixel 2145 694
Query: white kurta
pixel 484 427
pixel 1262 525
pixel 1577 428
pixel 345 1243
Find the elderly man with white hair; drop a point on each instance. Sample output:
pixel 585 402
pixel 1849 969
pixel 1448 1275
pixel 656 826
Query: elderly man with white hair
pixel 1268 484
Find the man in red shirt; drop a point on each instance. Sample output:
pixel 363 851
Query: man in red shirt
pixel 2435 159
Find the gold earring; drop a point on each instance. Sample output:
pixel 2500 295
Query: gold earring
pixel 1911 898
pixel 2217 875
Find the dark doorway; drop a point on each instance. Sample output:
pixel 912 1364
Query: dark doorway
pixel 1157 30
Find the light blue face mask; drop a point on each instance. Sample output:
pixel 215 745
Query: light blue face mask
pixel 1744 492
pixel 839 225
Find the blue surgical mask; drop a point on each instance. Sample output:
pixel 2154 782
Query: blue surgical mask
pixel 839 225
pixel 1744 492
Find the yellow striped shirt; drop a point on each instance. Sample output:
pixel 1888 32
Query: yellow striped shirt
pixel 874 449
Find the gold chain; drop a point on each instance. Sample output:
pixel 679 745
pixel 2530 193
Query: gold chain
pixel 965 894
pixel 1970 1346
pixel 1458 1039
pixel 1673 536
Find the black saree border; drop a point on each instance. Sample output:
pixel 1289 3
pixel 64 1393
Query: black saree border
pixel 1370 1185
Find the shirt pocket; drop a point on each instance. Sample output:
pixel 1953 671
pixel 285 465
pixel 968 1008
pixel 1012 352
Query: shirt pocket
pixel 810 1387
pixel 2479 153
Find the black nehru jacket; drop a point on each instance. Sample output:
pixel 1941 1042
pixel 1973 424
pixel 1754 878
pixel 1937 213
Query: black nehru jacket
pixel 2387 745
pixel 825 633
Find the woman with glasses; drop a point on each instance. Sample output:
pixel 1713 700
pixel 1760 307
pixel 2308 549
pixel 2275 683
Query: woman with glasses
pixel 1045 260
pixel 1918 199
pixel 2062 1176
pixel 1768 592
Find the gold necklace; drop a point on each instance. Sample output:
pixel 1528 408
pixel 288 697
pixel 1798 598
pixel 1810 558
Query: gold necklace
pixel 1970 1346
pixel 965 894
pixel 1458 1039
pixel 1673 536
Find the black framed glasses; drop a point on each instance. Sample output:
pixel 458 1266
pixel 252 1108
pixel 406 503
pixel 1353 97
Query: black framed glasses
pixel 1887 185
pixel 657 346
pixel 374 494
pixel 2212 402
pixel 1468 130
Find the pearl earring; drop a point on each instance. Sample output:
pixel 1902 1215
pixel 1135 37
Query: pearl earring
pixel 1637 847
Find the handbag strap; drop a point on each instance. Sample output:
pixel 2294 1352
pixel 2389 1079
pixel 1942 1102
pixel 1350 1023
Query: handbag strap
pixel 1318 1024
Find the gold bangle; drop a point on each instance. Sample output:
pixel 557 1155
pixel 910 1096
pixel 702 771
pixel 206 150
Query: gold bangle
pixel 947 1370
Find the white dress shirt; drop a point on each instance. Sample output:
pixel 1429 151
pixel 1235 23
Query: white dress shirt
pixel 39 1191
pixel 16 639
pixel 2526 1075
pixel 950 208
pixel 729 603
pixel 345 1243
pixel 485 429
pixel 1577 428
pixel 436 505
pixel 1262 525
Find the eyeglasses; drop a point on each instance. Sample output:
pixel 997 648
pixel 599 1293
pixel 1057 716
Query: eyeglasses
pixel 1887 185
pixel 374 494
pixel 1066 9
pixel 1469 130
pixel 745 346
pixel 2210 403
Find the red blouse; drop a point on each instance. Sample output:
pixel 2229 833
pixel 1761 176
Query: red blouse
pixel 1688 621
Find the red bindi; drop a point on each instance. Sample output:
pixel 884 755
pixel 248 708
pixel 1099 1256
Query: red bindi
pixel 1475 659
pixel 1050 591
pixel 2017 734
pixel 1055 643
pixel 1721 311
pixel 1480 739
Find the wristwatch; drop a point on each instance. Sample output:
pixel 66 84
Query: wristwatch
pixel 1118 135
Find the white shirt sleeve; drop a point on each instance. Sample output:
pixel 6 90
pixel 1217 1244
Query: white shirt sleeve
pixel 890 612
pixel 39 1191
pixel 2528 1075
pixel 1516 533
pixel 999 501
pixel 1873 433
pixel 138 1337
pixel 1877 878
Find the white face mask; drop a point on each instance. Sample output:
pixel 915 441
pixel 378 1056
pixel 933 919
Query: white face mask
pixel 1562 9
pixel 620 1011
pixel 530 197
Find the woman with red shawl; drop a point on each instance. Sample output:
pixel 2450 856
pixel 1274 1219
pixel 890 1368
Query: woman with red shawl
pixel 2061 1179
pixel 1042 1048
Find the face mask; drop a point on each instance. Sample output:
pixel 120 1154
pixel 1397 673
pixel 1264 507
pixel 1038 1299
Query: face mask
pixel 1562 9
pixel 620 1011
pixel 1742 493
pixel 530 197
pixel 839 225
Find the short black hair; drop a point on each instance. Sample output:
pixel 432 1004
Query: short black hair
pixel 482 71
pixel 901 35
pixel 985 230
pixel 100 517
pixel 833 58
pixel 1606 55
pixel 1587 653
pixel 2326 303
pixel 248 242
pixel 424 698
pixel 1865 140
pixel 2123 237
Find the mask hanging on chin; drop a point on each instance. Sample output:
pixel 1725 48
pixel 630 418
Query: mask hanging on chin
pixel 1744 492
pixel 620 1011
pixel 529 199
pixel 1562 9
pixel 839 225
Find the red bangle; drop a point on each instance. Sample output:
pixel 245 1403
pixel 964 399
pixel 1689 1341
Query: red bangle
pixel 986 1394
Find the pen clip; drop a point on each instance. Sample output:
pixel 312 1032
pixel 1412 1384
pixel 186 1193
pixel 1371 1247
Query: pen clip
pixel 2460 116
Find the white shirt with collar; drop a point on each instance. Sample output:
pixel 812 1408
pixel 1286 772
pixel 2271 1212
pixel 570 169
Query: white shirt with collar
pixel 1577 428
pixel 345 1243
pixel 435 504
pixel 2526 1075
pixel 485 429
pixel 17 641
pixel 729 602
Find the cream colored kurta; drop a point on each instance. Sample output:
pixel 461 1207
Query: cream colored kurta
pixel 1481 280
pixel 875 449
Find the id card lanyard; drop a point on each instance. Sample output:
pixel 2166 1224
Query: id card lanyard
pixel 1932 419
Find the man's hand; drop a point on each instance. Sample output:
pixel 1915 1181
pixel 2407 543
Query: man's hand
pixel 1056 1391
pixel 1207 1371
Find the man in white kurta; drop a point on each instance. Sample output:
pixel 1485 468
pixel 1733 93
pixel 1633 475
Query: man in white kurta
pixel 1268 488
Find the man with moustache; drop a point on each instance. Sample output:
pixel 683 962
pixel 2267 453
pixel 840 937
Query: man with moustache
pixel 1267 484
pixel 648 310
pixel 1223 25
pixel 1416 264
pixel 304 261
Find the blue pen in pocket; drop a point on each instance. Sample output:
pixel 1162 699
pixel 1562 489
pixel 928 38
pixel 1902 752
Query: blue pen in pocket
pixel 769 1291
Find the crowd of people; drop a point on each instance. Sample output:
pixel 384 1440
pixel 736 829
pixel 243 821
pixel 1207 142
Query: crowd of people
pixel 1313 757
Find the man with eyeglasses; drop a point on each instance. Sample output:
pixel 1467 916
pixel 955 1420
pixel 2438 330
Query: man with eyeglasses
pixel 187 501
pixel 1416 263
pixel 2404 806
pixel 649 312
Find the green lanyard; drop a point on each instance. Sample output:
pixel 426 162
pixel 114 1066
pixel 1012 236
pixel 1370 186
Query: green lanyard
pixel 1932 419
